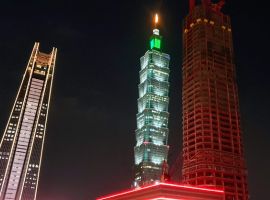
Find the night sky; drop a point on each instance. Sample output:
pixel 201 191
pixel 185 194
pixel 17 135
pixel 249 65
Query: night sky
pixel 90 136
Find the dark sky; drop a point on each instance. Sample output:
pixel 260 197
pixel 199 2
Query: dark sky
pixel 90 136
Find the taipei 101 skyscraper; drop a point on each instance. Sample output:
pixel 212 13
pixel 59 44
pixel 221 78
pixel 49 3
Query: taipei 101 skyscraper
pixel 22 143
pixel 213 153
pixel 152 119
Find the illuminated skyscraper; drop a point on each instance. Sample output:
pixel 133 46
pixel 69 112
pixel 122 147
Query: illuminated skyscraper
pixel 152 119
pixel 22 143
pixel 212 144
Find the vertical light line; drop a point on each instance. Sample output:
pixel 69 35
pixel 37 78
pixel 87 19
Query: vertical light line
pixel 34 132
pixel 41 155
pixel 29 81
pixel 33 54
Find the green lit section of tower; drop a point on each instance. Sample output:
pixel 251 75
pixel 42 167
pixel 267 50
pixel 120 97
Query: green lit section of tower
pixel 152 119
pixel 155 42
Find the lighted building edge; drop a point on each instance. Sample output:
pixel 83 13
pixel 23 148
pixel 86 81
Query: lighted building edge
pixel 167 191
pixel 22 143
pixel 152 119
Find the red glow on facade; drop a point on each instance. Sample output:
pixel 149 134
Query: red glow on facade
pixel 213 152
pixel 164 198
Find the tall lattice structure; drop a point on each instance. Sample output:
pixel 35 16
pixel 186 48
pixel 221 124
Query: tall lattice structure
pixel 152 119
pixel 22 143
pixel 212 144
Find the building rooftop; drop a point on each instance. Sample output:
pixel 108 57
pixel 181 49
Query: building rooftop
pixel 167 191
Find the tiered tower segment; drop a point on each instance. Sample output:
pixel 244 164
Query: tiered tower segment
pixel 152 119
pixel 212 144
pixel 22 143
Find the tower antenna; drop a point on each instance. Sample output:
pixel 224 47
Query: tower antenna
pixel 156 20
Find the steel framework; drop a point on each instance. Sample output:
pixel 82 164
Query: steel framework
pixel 23 140
pixel 212 135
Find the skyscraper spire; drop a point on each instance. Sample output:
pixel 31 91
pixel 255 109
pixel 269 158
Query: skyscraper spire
pixel 156 20
pixel 152 119
pixel 155 39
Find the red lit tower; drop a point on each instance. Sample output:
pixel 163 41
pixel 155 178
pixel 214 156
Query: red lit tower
pixel 212 143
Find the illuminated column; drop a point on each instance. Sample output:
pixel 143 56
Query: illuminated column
pixel 152 119
pixel 22 143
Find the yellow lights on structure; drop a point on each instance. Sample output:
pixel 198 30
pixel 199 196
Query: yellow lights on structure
pixel 51 64
pixel 205 21
pixel 29 69
pixel 50 75
pixel 199 20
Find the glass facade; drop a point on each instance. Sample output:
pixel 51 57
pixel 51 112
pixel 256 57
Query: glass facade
pixel 152 119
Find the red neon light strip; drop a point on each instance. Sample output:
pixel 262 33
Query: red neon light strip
pixel 165 184
pixel 164 198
